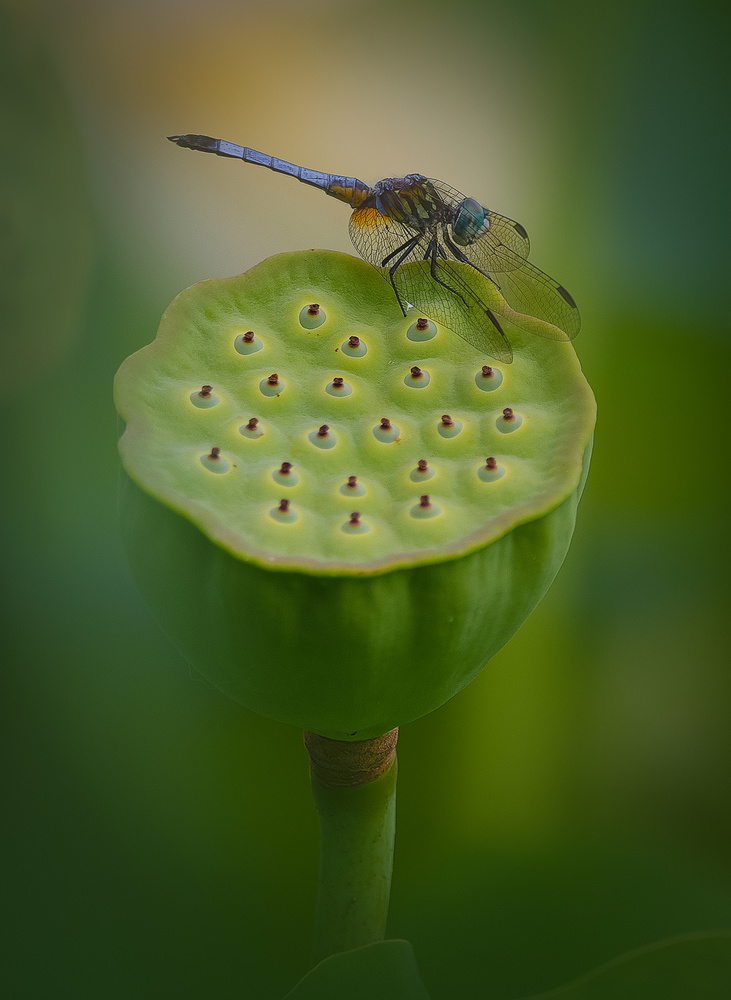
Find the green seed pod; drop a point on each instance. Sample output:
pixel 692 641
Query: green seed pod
pixel 334 539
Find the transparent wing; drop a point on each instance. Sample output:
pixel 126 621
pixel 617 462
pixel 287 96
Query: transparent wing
pixel 454 297
pixel 376 237
pixel 504 246
pixel 531 291
pixel 501 254
pixel 458 306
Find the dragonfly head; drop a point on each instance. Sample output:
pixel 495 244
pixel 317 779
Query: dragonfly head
pixel 470 222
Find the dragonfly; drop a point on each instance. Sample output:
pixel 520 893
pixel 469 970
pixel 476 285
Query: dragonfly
pixel 442 252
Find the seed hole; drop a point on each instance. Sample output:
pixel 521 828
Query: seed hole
pixel 283 512
pixel 355 526
pixel 417 378
pixel 490 471
pixel 338 387
pixel 386 431
pixel 252 429
pixel 448 427
pixel 353 347
pixel 312 316
pixel 423 329
pixel 488 378
pixel 247 343
pixel 284 475
pixel 422 471
pixel 323 437
pixel 205 398
pixel 271 386
pixel 352 488
pixel 424 508
pixel 508 421
pixel 214 461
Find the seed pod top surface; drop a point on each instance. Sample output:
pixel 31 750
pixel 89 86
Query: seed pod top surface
pixel 301 422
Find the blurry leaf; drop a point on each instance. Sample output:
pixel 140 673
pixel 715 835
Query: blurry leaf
pixel 386 971
pixel 690 968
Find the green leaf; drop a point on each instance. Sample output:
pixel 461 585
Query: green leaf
pixel 696 967
pixel 386 970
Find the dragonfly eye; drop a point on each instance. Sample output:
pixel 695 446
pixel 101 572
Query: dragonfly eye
pixel 468 222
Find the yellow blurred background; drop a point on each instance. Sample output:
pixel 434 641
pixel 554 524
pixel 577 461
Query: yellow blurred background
pixel 573 802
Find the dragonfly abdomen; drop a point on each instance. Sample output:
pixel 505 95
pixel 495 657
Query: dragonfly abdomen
pixel 347 189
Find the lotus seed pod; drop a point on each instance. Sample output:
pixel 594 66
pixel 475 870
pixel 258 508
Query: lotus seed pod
pixel 343 561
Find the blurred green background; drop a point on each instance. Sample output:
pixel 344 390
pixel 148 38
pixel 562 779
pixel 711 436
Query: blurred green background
pixel 573 802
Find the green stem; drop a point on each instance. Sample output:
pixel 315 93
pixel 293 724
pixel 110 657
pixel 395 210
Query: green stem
pixel 354 785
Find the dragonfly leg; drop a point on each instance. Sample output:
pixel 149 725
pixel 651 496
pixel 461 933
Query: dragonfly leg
pixel 434 250
pixel 432 254
pixel 465 260
pixel 460 255
pixel 406 248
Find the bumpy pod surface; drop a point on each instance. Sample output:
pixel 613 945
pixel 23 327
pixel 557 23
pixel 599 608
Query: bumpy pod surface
pixel 338 513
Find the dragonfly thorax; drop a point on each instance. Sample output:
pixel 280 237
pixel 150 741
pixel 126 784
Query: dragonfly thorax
pixel 411 200
pixel 470 222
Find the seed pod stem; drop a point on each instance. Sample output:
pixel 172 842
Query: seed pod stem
pixel 354 787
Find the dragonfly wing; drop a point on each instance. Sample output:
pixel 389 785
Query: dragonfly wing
pixel 504 247
pixel 533 293
pixel 376 237
pixel 458 306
